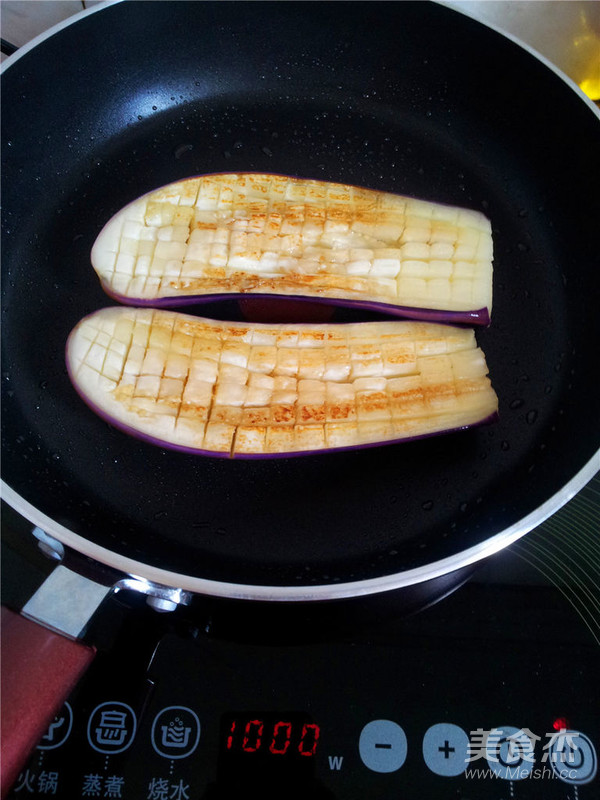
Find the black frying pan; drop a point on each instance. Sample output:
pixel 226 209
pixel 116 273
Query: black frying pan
pixel 406 97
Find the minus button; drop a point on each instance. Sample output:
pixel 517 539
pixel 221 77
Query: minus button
pixel 382 745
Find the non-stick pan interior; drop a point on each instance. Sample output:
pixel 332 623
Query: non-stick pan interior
pixel 406 97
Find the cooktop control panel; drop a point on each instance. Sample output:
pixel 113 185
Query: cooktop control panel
pixel 462 701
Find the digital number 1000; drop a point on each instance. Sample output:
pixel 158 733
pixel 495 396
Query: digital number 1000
pixel 279 738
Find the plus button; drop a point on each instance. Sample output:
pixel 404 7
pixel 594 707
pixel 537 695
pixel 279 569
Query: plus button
pixel 446 749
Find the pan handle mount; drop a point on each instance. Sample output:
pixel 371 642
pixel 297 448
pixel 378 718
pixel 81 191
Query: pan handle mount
pixel 160 598
pixel 42 661
pixel 42 657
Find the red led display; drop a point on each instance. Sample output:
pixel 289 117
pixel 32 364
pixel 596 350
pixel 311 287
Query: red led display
pixel 280 743
pixel 279 737
pixel 230 737
pixel 309 739
pixel 253 735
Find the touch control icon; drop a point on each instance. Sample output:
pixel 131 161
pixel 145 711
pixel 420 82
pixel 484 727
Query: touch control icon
pixel 510 753
pixel 58 730
pixel 573 757
pixel 111 727
pixel 445 749
pixel 175 732
pixel 382 746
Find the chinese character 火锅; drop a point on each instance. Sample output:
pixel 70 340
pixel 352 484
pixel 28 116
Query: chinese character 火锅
pixel 47 782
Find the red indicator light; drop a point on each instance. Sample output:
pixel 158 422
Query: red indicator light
pixel 561 724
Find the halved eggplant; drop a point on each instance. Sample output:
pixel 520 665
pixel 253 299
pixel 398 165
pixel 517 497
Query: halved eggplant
pixel 251 390
pixel 239 234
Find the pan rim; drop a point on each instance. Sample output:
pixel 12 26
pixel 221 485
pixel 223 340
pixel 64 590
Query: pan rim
pixel 103 4
pixel 525 46
pixel 49 32
pixel 322 592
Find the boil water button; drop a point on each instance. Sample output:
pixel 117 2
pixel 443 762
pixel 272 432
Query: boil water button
pixel 382 746
pixel 175 732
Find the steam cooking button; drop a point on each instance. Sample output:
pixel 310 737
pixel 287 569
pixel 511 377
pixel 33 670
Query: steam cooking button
pixel 382 746
pixel 573 757
pixel 446 749
pixel 111 727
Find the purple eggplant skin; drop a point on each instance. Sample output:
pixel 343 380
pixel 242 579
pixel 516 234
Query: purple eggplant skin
pixel 155 441
pixel 480 316
pixel 122 352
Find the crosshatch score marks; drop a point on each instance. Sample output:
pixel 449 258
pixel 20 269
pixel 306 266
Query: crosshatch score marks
pixel 271 234
pixel 241 389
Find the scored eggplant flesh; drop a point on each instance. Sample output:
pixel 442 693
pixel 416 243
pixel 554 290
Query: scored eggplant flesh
pixel 249 390
pixel 260 234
